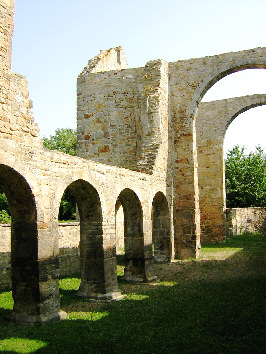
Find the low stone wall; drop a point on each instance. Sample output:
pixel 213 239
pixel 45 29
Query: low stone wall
pixel 5 257
pixel 69 238
pixel 241 220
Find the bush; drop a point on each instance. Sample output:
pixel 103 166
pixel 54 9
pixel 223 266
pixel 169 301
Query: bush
pixel 245 178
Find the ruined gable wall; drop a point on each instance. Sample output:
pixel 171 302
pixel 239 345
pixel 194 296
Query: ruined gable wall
pixel 123 115
pixel 107 60
pixel 108 117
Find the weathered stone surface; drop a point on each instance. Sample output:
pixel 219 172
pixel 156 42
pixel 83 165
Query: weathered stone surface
pixel 137 140
pixel 244 220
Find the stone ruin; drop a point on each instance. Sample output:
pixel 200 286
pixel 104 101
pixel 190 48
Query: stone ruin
pixel 146 144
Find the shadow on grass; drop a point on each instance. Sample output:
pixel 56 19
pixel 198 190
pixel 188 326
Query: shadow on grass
pixel 192 317
pixel 198 308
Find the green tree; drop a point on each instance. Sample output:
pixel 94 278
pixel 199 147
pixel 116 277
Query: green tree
pixel 245 178
pixel 4 209
pixel 67 209
pixel 64 139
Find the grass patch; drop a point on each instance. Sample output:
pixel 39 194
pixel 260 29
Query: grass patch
pixel 205 306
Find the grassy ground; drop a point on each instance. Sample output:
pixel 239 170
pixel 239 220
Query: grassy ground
pixel 213 305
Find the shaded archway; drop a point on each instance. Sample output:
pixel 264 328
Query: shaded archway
pixel 98 278
pixel 161 229
pixel 133 235
pixel 28 271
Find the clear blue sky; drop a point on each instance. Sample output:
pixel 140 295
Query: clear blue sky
pixel 54 39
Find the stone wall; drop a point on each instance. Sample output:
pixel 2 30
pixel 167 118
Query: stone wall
pixel 245 220
pixel 5 256
pixel 6 31
pixel 122 115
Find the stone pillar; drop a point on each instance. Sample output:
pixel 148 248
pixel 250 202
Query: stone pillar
pixel 35 273
pixel 186 215
pixel 186 195
pixel 98 262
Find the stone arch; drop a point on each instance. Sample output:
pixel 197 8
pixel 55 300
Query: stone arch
pixel 251 102
pixel 189 81
pixel 24 246
pixel 218 74
pixel 213 119
pixel 133 234
pixel 161 228
pixel 94 259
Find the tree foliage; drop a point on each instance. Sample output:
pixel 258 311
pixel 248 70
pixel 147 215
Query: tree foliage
pixel 245 178
pixel 4 209
pixel 67 210
pixel 64 139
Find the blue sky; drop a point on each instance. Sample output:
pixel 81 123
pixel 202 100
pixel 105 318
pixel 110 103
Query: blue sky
pixel 54 39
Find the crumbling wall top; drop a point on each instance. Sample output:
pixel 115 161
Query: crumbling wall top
pixel 107 60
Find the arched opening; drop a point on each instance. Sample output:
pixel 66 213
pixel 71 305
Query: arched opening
pixel 161 229
pixel 119 229
pixel 212 121
pixel 133 236
pixel 97 261
pixel 68 209
pixel 247 129
pixel 24 246
pixel 91 239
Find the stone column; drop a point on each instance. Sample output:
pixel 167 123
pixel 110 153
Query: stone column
pixel 186 214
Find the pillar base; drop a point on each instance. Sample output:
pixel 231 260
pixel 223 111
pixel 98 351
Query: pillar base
pixel 138 278
pixel 113 296
pixel 29 320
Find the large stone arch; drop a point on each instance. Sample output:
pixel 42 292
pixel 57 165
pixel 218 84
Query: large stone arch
pixel 34 278
pixel 189 81
pixel 97 262
pixel 161 234
pixel 213 119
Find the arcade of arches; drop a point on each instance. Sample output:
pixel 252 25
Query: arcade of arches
pixel 136 174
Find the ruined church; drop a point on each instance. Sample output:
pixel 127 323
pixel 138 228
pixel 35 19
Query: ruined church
pixel 147 146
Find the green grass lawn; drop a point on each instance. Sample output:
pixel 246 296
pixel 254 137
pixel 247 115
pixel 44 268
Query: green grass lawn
pixel 213 305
